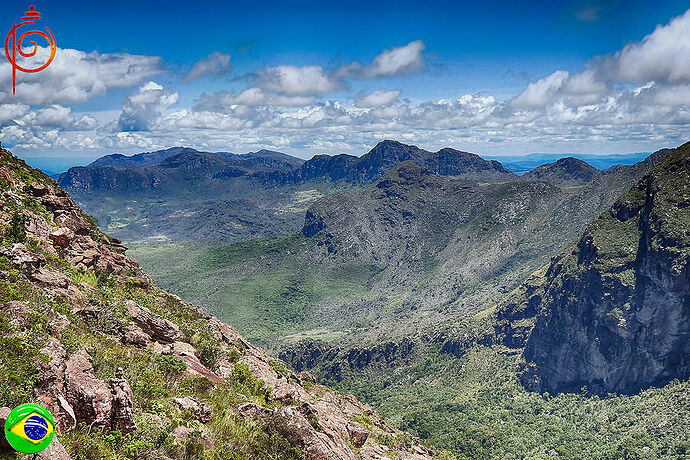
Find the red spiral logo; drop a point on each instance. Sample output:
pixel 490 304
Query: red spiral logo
pixel 29 18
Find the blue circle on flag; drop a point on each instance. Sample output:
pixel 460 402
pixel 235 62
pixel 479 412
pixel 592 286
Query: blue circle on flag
pixel 36 427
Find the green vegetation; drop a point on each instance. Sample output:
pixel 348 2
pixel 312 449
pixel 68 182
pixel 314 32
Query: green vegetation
pixel 476 407
pixel 155 379
pixel 265 287
pixel 16 231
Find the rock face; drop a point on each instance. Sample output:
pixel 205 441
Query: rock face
pixel 89 396
pixel 612 313
pixel 153 325
pixel 122 417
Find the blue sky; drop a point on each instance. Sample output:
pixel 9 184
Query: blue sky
pixel 498 78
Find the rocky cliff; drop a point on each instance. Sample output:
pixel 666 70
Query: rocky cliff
pixel 130 371
pixel 612 313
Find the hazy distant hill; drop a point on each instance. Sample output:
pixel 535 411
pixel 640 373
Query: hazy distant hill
pixel 520 164
pixel 385 156
pixel 565 172
pixel 140 160
pixel 181 194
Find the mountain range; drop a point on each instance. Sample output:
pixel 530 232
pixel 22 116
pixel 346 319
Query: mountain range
pixel 446 290
pixel 168 193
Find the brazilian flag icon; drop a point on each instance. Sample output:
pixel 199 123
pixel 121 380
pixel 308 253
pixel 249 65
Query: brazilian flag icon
pixel 29 428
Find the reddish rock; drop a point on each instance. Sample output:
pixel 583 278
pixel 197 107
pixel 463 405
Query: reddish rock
pixel 16 312
pixel 89 396
pixel 251 410
pixel 187 353
pixel 156 327
pixel 50 278
pixel 136 336
pixel 59 323
pixel 226 333
pixel 358 435
pixel 62 237
pixel 199 410
pixel 55 451
pixel 22 259
pixel 122 417
pixel 38 190
pixel 6 174
pixel 50 387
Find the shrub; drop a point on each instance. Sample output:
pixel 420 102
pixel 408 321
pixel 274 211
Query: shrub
pixel 16 231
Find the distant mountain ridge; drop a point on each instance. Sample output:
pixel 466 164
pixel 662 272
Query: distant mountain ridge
pixel 565 172
pixel 385 156
pixel 140 160
pixel 184 194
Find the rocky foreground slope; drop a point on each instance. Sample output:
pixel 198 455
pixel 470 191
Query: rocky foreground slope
pixel 612 312
pixel 130 371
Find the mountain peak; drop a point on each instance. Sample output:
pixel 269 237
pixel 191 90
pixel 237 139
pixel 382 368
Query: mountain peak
pixel 565 172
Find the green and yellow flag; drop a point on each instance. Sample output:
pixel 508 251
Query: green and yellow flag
pixel 29 428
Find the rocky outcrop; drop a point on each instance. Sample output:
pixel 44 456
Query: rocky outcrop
pixel 154 326
pixel 199 410
pixel 613 310
pixel 89 396
pixel 122 416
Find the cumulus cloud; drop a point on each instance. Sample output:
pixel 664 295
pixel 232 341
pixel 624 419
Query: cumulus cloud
pixel 662 56
pixel 662 59
pixel 637 98
pixel 290 85
pixel 75 76
pixel 402 60
pixel 215 64
pixel 296 80
pixel 221 100
pixel 378 98
pixel 142 109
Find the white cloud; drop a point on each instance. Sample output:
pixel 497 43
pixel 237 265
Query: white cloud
pixel 296 80
pixel 215 65
pixel 661 58
pixel 75 76
pixel 142 109
pixel 610 105
pixel 221 100
pixel 402 60
pixel 543 91
pixel 378 98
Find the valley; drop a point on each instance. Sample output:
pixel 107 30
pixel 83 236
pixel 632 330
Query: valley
pixel 399 290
